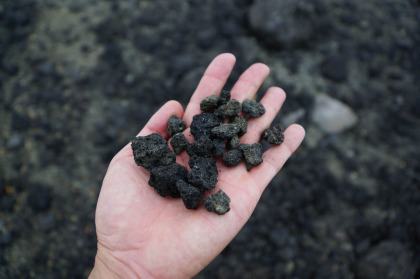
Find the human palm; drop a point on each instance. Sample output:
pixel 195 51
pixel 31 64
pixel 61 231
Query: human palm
pixel 141 234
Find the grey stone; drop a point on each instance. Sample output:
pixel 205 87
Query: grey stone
pixel 331 115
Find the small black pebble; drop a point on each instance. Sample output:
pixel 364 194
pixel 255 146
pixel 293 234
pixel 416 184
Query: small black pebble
pixel 224 97
pixel 203 172
pixel 218 147
pixel 241 122
pixel 225 131
pixel 218 203
pixel 252 153
pixel 273 135
pixel 203 147
pixel 209 103
pixel 175 125
pixel 202 124
pixel 253 108
pixel 234 142
pixel 163 179
pixel 151 151
pixel 190 195
pixel 179 142
pixel 232 158
pixel 231 108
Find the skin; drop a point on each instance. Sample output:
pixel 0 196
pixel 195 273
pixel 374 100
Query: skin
pixel 142 235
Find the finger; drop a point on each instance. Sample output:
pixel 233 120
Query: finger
pixel 158 124
pixel 248 83
pixel 275 157
pixel 272 102
pixel 211 83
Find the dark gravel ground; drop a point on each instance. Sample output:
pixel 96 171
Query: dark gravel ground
pixel 79 78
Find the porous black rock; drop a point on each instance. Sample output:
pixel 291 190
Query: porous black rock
pixel 241 122
pixel 152 151
pixel 203 172
pixel 175 125
pixel 218 147
pixel 225 131
pixel 202 124
pixel 203 147
pixel 234 142
pixel 253 108
pixel 231 108
pixel 224 97
pixel 163 179
pixel 209 103
pixel 179 142
pixel 273 135
pixel 232 158
pixel 190 195
pixel 252 153
pixel 217 203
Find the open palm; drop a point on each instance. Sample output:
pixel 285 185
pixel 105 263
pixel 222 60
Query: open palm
pixel 141 234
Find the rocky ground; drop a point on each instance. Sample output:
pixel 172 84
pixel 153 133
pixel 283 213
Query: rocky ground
pixel 79 78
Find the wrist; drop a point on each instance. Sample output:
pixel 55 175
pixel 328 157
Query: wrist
pixel 106 266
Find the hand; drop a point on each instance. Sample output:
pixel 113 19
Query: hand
pixel 141 234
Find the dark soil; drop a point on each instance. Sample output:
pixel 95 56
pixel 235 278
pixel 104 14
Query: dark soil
pixel 80 78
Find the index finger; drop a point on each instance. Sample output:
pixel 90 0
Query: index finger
pixel 211 83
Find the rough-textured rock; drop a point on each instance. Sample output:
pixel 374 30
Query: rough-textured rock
pixel 151 151
pixel 285 23
pixel 163 179
pixel 190 195
pixel 331 115
pixel 253 108
pixel 241 122
pixel 388 260
pixel 273 135
pixel 175 125
pixel 203 172
pixel 234 142
pixel 231 108
pixel 252 153
pixel 232 158
pixel 225 131
pixel 218 147
pixel 217 203
pixel 209 103
pixel 224 97
pixel 202 147
pixel 203 123
pixel 179 142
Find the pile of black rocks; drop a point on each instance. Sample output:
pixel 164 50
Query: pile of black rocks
pixel 217 133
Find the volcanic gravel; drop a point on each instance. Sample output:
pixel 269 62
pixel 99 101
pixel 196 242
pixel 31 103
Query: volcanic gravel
pixel 79 79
